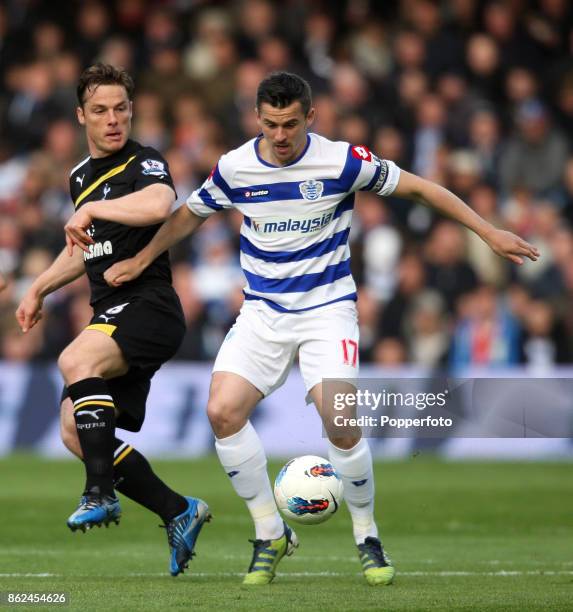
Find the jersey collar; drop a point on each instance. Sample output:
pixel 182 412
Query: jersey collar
pixel 99 163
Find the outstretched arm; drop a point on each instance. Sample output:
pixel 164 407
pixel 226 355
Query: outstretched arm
pixel 179 225
pixel 64 270
pixel 147 206
pixel 503 243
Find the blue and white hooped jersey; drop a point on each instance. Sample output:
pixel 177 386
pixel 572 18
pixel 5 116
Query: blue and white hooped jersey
pixel 294 236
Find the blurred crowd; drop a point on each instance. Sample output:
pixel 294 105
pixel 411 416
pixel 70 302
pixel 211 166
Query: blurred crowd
pixel 476 95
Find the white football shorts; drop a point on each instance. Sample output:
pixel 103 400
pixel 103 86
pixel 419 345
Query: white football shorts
pixel 263 343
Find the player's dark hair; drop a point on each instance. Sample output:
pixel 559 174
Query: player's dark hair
pixel 281 89
pixel 103 74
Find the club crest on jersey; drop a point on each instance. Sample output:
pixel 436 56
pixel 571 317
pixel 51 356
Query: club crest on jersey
pixel 311 189
pixel 153 167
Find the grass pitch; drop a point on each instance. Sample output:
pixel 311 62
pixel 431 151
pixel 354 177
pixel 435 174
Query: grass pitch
pixel 463 536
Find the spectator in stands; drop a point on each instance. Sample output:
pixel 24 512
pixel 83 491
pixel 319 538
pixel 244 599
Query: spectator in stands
pixel 92 26
pixel 411 283
pixel 488 335
pixel 429 135
pixel 482 58
pixel 485 140
pixel 426 331
pixel 448 272
pixel 544 341
pixel 390 353
pixel 536 154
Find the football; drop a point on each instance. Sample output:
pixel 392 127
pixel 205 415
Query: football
pixel 308 490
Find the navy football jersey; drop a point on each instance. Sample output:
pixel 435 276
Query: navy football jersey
pixel 132 168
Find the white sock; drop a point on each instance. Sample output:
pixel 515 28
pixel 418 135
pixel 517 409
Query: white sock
pixel 355 469
pixel 243 457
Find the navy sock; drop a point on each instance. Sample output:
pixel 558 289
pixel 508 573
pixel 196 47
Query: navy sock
pixel 94 413
pixel 134 478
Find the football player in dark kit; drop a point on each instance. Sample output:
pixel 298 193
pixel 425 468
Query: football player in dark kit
pixel 122 193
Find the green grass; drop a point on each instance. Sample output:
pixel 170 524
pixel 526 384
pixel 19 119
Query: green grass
pixel 463 536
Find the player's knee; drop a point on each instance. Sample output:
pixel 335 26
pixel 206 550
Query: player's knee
pixel 224 420
pixel 67 362
pixel 74 366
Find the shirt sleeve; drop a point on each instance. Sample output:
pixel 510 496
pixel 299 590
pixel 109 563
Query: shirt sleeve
pixel 73 194
pixel 388 178
pixel 151 168
pixel 378 175
pixel 214 194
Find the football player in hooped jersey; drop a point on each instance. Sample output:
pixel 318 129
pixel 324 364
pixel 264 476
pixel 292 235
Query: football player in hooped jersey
pixel 296 192
pixel 121 192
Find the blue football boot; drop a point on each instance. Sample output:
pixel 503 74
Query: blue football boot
pixel 182 534
pixel 95 510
